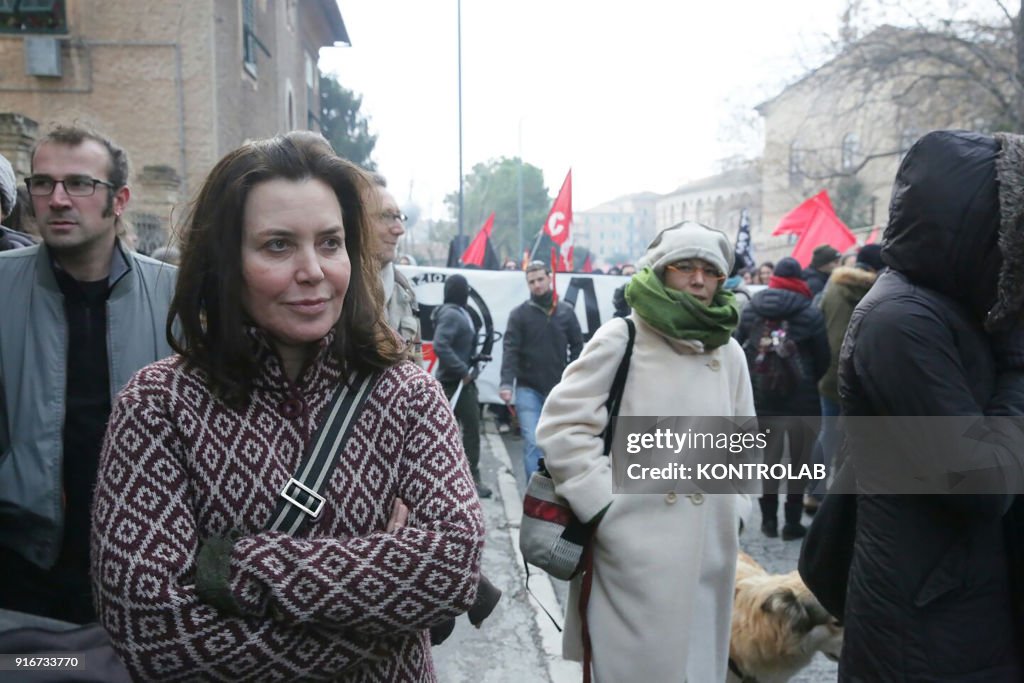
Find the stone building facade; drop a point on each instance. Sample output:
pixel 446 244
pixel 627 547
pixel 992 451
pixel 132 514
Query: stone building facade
pixel 177 83
pixel 617 231
pixel 717 201
pixel 845 127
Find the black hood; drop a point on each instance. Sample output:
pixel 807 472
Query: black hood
pixel 956 221
pixel 778 303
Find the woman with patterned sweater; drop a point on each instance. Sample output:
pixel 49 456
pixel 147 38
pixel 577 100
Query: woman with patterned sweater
pixel 278 302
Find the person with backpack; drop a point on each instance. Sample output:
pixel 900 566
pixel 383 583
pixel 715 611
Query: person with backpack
pixel 660 603
pixel 786 346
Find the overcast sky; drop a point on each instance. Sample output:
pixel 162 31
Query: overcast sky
pixel 633 96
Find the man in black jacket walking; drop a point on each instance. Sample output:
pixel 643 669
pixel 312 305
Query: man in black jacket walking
pixel 541 338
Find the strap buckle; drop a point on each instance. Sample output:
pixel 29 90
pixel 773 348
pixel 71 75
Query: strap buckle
pixel 318 500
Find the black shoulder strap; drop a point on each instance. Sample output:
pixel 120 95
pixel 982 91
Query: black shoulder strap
pixel 618 385
pixel 300 498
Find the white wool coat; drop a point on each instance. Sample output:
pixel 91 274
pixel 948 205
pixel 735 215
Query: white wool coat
pixel 661 602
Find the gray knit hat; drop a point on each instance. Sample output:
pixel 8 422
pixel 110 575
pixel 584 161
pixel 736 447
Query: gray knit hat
pixel 689 240
pixel 8 188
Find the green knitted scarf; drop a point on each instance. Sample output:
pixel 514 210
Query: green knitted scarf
pixel 679 314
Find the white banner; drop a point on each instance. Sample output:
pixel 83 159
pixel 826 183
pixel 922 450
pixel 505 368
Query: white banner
pixel 492 296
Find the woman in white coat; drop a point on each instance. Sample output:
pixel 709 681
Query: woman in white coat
pixel 664 565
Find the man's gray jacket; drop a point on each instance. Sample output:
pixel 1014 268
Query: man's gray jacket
pixel 33 380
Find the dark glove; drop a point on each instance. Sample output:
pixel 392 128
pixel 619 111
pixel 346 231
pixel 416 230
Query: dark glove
pixel 487 596
pixel 213 573
pixel 1008 348
pixel 440 632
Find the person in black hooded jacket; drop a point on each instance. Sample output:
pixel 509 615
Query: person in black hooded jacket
pixel 787 299
pixel 934 584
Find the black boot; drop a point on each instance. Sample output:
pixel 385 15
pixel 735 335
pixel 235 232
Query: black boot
pixel 794 510
pixel 769 515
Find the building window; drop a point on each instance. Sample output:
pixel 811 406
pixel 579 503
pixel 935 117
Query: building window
pixel 851 151
pixel 149 232
pixel 796 157
pixel 33 16
pixel 250 42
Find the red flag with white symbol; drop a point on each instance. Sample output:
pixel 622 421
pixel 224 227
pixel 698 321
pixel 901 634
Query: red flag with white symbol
pixel 559 219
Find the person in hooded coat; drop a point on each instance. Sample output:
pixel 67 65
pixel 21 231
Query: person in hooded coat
pixel 455 346
pixel 664 565
pixel 788 298
pixel 934 584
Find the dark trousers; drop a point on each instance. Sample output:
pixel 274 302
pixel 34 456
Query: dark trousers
pixel 800 442
pixel 62 593
pixel 467 412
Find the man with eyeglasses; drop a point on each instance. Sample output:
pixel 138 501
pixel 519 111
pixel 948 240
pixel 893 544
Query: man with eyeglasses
pixel 80 315
pixel 388 226
pixel 541 338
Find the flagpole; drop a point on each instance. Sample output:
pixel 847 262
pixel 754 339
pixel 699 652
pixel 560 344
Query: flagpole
pixel 519 188
pixel 536 243
pixel 459 9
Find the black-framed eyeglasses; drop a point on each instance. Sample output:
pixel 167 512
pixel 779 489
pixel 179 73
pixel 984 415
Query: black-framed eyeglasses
pixel 391 216
pixel 74 185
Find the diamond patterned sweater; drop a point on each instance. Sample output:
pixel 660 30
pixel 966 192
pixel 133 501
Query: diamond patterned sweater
pixel 341 601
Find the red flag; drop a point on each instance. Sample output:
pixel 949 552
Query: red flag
pixel 587 268
pixel 560 216
pixel 556 227
pixel 817 223
pixel 800 218
pixel 476 253
pixel 873 237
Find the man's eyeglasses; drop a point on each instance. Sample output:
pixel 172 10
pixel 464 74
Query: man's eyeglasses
pixel 690 268
pixel 74 185
pixel 391 217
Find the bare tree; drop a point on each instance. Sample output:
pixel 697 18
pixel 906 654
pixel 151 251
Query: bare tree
pixel 898 70
pixel 973 62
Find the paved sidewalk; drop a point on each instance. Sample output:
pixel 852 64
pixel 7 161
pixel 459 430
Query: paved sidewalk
pixel 509 646
pixel 518 643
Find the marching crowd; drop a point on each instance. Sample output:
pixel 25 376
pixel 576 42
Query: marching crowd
pixel 238 467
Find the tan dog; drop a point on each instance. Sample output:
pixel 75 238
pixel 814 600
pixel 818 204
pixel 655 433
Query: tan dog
pixel 777 626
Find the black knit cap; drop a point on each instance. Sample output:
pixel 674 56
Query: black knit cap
pixel 823 255
pixel 456 290
pixel 789 267
pixel 870 255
